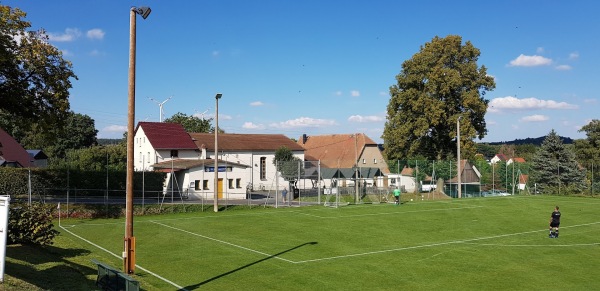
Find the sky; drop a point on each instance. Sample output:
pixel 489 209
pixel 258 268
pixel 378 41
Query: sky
pixel 321 67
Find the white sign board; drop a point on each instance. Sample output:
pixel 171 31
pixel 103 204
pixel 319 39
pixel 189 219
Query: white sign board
pixel 4 205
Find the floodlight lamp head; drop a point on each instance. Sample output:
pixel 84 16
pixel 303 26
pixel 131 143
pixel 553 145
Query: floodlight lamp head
pixel 218 96
pixel 144 11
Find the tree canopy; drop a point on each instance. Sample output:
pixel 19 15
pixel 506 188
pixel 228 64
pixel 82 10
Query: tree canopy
pixel 34 78
pixel 192 123
pixel 439 84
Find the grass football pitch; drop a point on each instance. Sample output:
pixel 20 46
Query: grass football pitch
pixel 466 244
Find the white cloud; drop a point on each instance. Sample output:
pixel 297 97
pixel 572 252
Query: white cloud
pixel 355 93
pixel 563 67
pixel 362 119
pixel 303 122
pixel 530 61
pixel 539 50
pixel 256 103
pixel 96 53
pixel 70 34
pixel 513 103
pixel 590 101
pixel 250 125
pixel 95 33
pixel 573 56
pixel 115 128
pixel 535 118
pixel 338 93
pixel 383 93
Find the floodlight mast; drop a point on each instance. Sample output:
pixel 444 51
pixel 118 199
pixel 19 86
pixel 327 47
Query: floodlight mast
pixel 129 240
pixel 216 171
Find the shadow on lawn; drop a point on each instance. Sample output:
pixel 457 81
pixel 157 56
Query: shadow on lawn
pixel 192 287
pixel 26 262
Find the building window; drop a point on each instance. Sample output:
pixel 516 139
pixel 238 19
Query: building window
pixel 174 153
pixel 374 161
pixel 148 159
pixel 140 157
pixel 197 185
pixel 238 183
pixel 263 168
pixel 205 184
pixel 364 161
pixel 230 183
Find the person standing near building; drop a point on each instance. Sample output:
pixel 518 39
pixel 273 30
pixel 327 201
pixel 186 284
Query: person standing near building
pixel 397 195
pixel 554 223
pixel 284 193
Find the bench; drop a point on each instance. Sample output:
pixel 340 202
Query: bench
pixel 110 278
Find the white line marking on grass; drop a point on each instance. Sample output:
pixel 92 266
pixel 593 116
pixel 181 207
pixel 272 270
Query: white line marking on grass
pixel 433 245
pixel 118 257
pixel 223 242
pixel 545 246
pixel 388 213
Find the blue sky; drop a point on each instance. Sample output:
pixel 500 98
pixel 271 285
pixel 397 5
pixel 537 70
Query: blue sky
pixel 322 67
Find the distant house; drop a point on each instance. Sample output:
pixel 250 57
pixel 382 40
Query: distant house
pixel 498 158
pixel 12 154
pixel 189 160
pixel 38 158
pixel 341 153
pixel 523 179
pixel 515 160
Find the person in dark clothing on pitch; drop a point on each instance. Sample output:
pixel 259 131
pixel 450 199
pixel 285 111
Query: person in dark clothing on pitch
pixel 554 223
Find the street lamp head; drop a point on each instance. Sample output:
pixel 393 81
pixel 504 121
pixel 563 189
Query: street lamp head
pixel 218 96
pixel 144 11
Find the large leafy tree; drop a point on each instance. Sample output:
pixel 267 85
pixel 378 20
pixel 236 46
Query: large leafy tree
pixel 439 84
pixel 555 169
pixel 588 149
pixel 34 78
pixel 191 123
pixel 287 164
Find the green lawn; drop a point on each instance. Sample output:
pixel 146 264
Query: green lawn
pixel 473 244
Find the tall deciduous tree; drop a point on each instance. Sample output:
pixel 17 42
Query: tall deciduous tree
pixel 439 84
pixel 191 123
pixel 555 169
pixel 34 78
pixel 588 150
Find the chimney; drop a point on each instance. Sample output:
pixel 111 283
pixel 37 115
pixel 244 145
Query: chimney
pixel 304 138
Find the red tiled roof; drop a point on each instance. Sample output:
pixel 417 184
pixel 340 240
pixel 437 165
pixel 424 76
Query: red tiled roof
pixel 164 135
pixel 335 150
pixel 244 142
pixel 12 151
pixel 518 160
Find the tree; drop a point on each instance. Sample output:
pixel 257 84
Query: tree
pixel 77 131
pixel 191 123
pixel 439 84
pixel 588 150
pixel 555 169
pixel 287 164
pixel 34 77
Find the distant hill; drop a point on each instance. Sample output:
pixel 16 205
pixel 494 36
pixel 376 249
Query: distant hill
pixel 534 141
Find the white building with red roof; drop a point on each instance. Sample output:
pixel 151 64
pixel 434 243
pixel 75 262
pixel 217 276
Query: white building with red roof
pixel 189 160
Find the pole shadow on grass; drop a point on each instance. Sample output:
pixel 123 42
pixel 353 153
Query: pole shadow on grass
pixel 195 286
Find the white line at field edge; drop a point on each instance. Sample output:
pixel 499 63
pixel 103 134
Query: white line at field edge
pixel 118 257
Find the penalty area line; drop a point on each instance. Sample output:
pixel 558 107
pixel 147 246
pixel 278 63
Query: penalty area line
pixel 224 242
pixel 118 257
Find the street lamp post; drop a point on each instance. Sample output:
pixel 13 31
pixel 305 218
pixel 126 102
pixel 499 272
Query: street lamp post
pixel 458 155
pixel 216 196
pixel 129 240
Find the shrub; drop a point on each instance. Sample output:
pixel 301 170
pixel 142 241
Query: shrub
pixel 31 224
